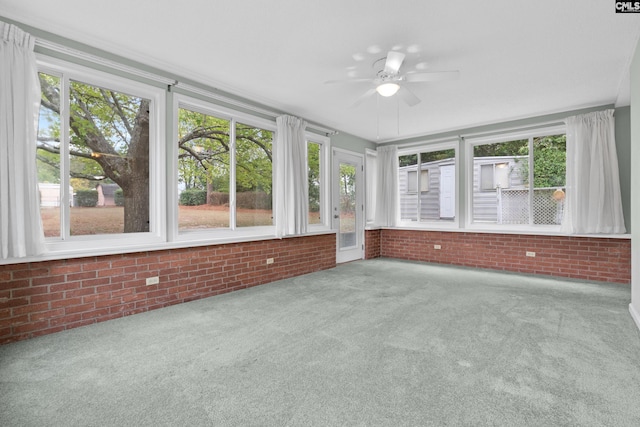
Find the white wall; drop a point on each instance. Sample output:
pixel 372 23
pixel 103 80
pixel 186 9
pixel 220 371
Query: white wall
pixel 634 307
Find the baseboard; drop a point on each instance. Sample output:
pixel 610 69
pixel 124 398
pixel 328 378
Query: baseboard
pixel 635 315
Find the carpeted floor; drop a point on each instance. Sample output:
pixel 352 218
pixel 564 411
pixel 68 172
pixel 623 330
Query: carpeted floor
pixel 378 342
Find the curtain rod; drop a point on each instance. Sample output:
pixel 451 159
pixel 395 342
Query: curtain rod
pixel 102 61
pixel 75 53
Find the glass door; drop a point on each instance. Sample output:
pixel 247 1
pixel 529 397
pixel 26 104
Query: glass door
pixel 348 208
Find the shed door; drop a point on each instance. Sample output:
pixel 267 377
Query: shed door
pixel 447 191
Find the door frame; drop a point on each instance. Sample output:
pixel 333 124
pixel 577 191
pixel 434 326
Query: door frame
pixel 337 156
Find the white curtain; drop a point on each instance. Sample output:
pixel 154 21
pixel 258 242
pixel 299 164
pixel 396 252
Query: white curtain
pixel 593 203
pixel 291 177
pixel 387 186
pixel 20 224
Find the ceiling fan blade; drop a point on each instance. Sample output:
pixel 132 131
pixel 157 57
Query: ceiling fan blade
pixel 394 61
pixel 328 82
pixel 432 77
pixel 364 96
pixel 408 97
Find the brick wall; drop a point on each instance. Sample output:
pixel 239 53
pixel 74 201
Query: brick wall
pixel 586 258
pixel 44 297
pixel 371 244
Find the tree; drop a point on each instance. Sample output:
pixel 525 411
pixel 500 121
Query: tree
pixel 549 162
pixel 204 157
pixel 109 138
pixel 509 148
pixel 314 176
pixel 109 141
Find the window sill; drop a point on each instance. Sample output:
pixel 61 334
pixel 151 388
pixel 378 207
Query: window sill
pixel 55 252
pixel 626 236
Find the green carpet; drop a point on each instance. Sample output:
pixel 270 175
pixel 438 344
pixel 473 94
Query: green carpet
pixel 378 342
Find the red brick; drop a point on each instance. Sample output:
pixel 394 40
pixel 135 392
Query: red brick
pixel 34 272
pixel 46 314
pixel 65 269
pixel 66 302
pixel 48 280
pixel 13 302
pixel 30 327
pixel 31 308
pixel 79 308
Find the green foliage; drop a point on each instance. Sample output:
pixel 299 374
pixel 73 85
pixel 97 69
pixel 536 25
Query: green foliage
pixel 408 160
pixel 509 148
pixel 313 159
pixel 193 197
pixel 86 198
pixel 549 162
pixel 204 154
pixel 347 187
pixel 118 197
pixel 253 159
pixel 429 156
pixel 108 138
pixel 433 156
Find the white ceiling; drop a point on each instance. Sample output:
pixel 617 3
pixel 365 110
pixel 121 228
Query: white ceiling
pixel 516 59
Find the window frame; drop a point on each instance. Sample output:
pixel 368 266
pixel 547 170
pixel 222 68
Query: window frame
pixel 494 175
pixel 371 178
pixel 428 147
pixel 181 100
pixel 325 172
pixel 67 243
pixel 529 134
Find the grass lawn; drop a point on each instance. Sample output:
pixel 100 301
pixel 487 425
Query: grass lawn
pixel 110 220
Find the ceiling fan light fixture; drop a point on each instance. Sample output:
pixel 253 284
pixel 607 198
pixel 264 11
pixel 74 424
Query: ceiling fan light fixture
pixel 388 89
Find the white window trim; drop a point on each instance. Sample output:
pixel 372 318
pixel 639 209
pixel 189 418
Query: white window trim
pixel 371 157
pixel 325 173
pixel 157 217
pixel 470 143
pixel 163 195
pixel 439 145
pixel 212 234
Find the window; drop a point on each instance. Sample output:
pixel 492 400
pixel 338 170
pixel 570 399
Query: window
pixel 225 172
pixel 95 160
pixel 203 170
pixel 502 173
pixel 412 181
pixel 253 155
pixel 494 175
pixel 48 156
pixel 318 179
pixel 314 182
pixel 431 198
pixel 103 170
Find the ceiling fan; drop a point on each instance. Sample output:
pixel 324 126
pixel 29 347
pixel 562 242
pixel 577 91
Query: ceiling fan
pixel 389 81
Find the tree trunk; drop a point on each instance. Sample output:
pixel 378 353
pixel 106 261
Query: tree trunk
pixel 136 202
pixel 135 187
